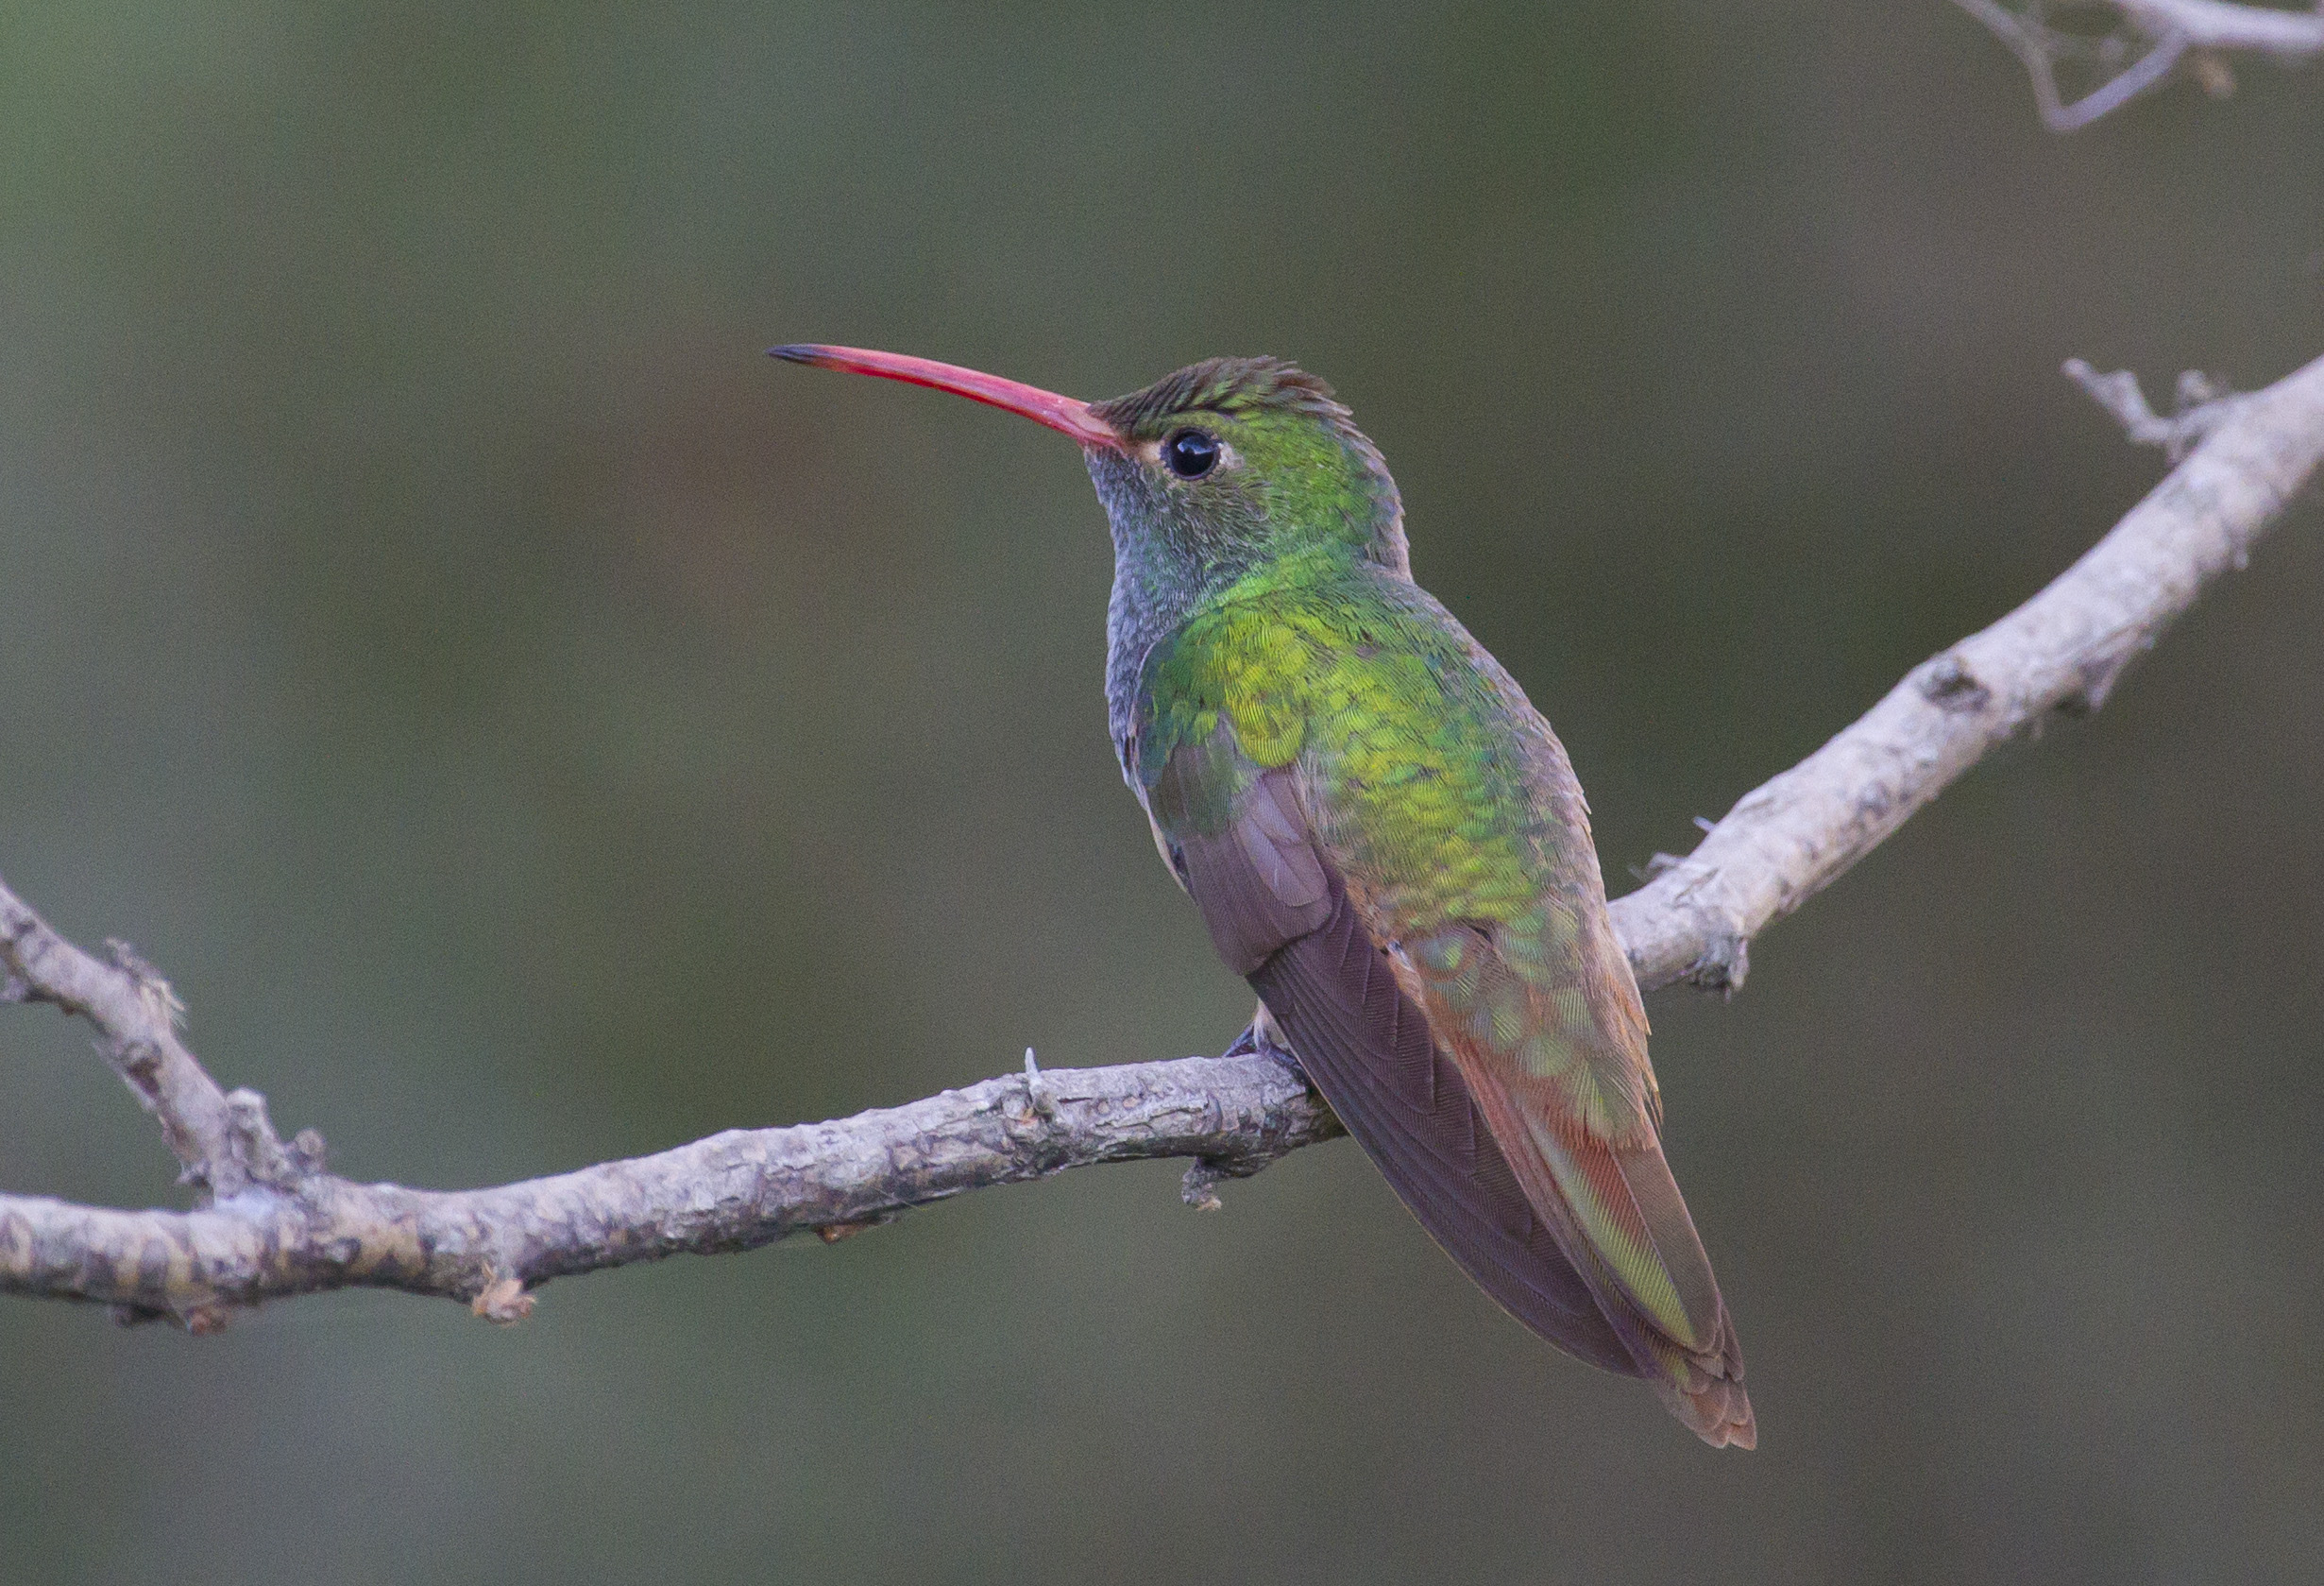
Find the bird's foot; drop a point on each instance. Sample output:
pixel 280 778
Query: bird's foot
pixel 1259 1039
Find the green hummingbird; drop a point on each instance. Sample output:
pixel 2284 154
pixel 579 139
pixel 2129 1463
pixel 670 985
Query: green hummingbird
pixel 1386 841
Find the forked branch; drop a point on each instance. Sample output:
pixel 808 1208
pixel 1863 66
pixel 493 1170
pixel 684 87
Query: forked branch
pixel 2151 39
pixel 271 1222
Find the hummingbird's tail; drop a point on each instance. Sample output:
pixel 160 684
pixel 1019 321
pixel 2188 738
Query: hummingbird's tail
pixel 1701 1378
pixel 1707 1400
pixel 1618 1213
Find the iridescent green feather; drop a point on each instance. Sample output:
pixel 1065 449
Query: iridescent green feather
pixel 1420 782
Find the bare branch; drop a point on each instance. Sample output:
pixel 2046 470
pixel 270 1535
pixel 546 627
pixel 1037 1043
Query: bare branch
pixel 224 1142
pixel 274 1223
pixel 2202 32
pixel 2216 24
pixel 733 1191
pixel 2062 650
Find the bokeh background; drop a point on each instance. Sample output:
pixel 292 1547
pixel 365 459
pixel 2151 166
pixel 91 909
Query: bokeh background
pixel 531 727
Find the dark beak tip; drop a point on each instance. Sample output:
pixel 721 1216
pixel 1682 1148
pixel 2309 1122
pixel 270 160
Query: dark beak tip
pixel 1063 414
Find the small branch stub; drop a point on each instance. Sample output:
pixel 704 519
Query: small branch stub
pixel 2204 403
pixel 1036 1095
pixel 504 1300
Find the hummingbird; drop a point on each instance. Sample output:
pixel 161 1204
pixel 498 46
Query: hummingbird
pixel 1386 841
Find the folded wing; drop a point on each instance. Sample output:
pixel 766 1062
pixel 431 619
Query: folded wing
pixel 1475 1075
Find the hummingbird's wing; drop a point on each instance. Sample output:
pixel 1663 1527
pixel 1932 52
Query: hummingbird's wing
pixel 1235 838
pixel 1495 1073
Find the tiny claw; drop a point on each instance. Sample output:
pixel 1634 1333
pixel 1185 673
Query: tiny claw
pixel 1259 1039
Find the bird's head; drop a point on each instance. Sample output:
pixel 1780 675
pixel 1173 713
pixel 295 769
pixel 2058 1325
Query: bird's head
pixel 1208 473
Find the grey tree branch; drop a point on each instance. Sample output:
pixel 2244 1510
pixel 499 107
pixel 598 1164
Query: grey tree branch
pixel 2062 651
pixel 2201 32
pixel 223 1142
pixel 270 1222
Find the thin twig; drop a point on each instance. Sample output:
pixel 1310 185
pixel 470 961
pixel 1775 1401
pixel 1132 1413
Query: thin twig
pixel 2204 404
pixel 2172 28
pixel 731 1191
pixel 277 1224
pixel 223 1142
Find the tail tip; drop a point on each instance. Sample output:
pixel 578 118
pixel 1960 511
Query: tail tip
pixel 1719 1413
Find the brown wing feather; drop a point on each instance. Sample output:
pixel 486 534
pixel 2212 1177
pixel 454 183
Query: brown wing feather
pixel 1461 1151
pixel 1278 913
pixel 1368 1049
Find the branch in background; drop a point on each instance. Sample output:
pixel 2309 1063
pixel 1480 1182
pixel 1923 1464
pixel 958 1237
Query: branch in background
pixel 271 1222
pixel 2202 33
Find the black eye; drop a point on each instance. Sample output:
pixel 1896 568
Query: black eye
pixel 1191 453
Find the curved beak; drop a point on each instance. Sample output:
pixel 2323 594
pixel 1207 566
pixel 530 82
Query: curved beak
pixel 1063 414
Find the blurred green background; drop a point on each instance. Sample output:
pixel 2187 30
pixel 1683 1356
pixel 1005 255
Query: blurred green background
pixel 530 727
